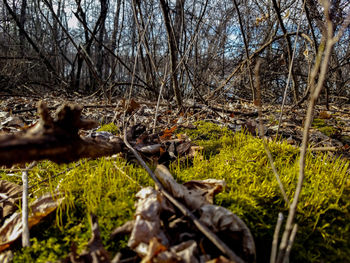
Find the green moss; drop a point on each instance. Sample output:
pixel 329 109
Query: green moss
pixel 95 186
pixel 328 130
pixel 252 193
pixel 110 127
pixel 318 123
pixel 209 135
pixel 322 126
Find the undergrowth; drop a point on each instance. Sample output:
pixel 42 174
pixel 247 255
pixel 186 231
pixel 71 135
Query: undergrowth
pixel 252 193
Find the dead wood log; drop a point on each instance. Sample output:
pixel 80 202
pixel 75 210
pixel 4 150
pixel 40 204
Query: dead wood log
pixel 56 139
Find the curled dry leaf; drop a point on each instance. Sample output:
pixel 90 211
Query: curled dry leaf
pixel 6 257
pixel 229 227
pixel 147 223
pixel 183 148
pixel 150 149
pixel 194 194
pixel 11 194
pixel 163 237
pixel 207 188
pixel 12 228
pixel 186 251
pixel 199 195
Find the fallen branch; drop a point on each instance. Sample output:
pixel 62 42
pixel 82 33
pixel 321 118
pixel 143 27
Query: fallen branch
pixel 56 139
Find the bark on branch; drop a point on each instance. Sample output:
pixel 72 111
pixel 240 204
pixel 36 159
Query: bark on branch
pixel 56 139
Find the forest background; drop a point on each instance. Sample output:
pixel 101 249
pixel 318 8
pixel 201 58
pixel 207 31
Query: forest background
pixel 193 49
pixel 217 55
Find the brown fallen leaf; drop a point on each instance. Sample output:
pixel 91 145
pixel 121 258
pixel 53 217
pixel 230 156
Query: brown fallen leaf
pixel 11 193
pixel 12 228
pixel 195 194
pixel 324 115
pixel 147 222
pixel 207 188
pixel 185 252
pixel 167 133
pixel 198 195
pixel 154 248
pixel 229 227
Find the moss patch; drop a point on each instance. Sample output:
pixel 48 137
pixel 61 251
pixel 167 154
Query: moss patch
pixel 110 127
pixel 209 135
pixel 95 186
pixel 252 193
pixel 322 126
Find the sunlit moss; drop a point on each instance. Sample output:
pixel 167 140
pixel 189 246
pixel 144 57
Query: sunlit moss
pixel 95 186
pixel 322 126
pixel 110 127
pixel 252 193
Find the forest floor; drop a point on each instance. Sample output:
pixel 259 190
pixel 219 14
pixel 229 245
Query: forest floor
pixel 330 129
pixel 251 193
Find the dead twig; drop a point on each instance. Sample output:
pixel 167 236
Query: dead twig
pixel 275 238
pixel 261 131
pixel 55 139
pixel 321 66
pixel 25 224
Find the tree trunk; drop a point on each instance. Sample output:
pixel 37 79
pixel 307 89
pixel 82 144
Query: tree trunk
pixel 173 52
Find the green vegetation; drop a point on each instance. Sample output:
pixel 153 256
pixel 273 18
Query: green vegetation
pixel 95 186
pixel 110 127
pixel 252 193
pixel 209 135
pixel 322 126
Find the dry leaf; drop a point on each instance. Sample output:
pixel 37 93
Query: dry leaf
pixel 325 115
pixel 9 206
pixel 154 248
pixel 206 188
pixel 195 194
pixel 230 227
pixel 150 149
pixel 183 148
pixel 147 223
pixel 12 228
pixel 133 105
pixel 167 133
pixel 184 252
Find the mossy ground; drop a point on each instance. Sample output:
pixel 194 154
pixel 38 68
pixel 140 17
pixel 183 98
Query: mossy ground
pixel 110 127
pixel 252 193
pixel 322 126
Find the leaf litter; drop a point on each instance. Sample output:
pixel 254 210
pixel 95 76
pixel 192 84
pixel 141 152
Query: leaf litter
pixel 158 233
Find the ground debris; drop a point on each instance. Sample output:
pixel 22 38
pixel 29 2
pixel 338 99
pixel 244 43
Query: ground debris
pixel 160 234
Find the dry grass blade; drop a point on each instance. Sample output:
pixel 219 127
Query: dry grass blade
pixel 261 132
